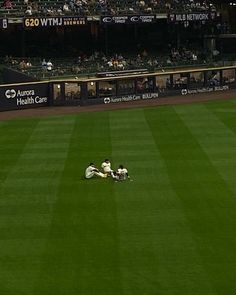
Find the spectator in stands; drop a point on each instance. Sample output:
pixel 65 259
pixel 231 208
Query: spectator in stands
pixel 28 64
pixel 66 7
pixel 44 64
pixel 141 4
pixel 10 60
pixel 22 65
pixel 169 62
pixel 49 66
pixel 110 64
pixel 29 10
pixel 144 53
pixel 71 5
pixel 154 3
pixel 76 69
pixel 194 57
pixel 35 7
pixel 7 4
pixel 120 66
pixel 101 7
pixel 215 53
pixel 49 10
pixel 215 79
pixel 79 6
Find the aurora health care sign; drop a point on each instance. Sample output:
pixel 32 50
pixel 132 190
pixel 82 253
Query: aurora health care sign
pixel 23 96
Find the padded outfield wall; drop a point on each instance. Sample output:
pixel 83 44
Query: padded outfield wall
pixel 116 88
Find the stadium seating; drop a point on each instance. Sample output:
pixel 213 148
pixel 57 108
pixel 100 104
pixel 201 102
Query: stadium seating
pixel 96 63
pixel 100 7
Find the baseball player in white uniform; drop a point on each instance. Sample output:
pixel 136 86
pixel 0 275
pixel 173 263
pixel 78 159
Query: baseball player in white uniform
pixel 120 174
pixel 92 171
pixel 106 167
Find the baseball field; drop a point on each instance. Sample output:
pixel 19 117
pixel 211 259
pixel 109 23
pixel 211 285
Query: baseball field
pixel 170 231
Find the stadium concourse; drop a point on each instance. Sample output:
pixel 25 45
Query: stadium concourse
pixel 67 110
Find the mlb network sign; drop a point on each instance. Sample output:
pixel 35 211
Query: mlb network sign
pixel 17 97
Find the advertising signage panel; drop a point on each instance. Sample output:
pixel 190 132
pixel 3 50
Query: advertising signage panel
pixel 24 96
pixel 3 23
pixel 34 22
pixel 182 17
pixel 128 98
pixel 128 19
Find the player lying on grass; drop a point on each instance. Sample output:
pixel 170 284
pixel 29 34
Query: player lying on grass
pixel 92 171
pixel 120 174
pixel 106 167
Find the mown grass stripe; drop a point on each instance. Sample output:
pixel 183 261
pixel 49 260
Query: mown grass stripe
pixel 13 139
pixel 27 199
pixel 216 233
pixel 157 251
pixel 216 139
pixel 84 227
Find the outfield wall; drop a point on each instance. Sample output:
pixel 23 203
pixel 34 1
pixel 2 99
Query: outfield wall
pixel 24 95
pixel 120 87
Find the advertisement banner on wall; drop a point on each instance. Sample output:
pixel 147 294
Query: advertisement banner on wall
pixel 35 22
pixel 128 98
pixel 128 19
pixel 24 96
pixel 204 89
pixel 183 17
pixel 3 23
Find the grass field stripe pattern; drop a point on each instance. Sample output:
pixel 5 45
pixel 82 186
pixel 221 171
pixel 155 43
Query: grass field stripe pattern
pixel 12 141
pixel 225 113
pixel 218 140
pixel 151 219
pixel 30 191
pixel 204 188
pixel 213 135
pixel 169 231
pixel 84 227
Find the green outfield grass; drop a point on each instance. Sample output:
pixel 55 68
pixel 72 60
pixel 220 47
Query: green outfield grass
pixel 171 231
